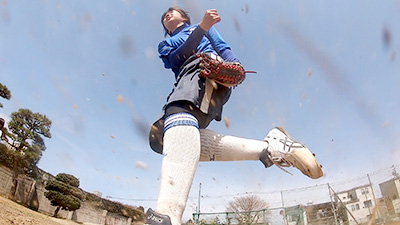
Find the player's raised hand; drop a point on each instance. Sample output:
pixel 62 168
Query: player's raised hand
pixel 210 18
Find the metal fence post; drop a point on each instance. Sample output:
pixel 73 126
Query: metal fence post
pixel 284 211
pixel 333 205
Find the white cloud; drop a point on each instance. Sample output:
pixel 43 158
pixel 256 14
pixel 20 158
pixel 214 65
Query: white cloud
pixel 140 164
pixel 150 53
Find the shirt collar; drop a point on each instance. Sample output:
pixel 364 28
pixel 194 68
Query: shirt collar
pixel 177 30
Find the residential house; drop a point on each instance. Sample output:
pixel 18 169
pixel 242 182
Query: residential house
pixel 359 202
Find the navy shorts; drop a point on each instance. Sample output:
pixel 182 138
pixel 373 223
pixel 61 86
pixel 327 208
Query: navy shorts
pixel 194 95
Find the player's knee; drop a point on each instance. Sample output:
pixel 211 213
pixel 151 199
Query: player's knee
pixel 180 119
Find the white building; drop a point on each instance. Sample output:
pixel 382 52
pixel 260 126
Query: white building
pixel 359 202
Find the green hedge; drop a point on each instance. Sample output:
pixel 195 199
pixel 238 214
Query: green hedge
pixel 121 209
pixel 116 207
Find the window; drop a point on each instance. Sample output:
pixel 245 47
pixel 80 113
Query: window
pixel 355 207
pixel 368 204
pixel 364 191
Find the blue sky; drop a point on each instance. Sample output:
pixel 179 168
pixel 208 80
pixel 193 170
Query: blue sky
pixel 326 73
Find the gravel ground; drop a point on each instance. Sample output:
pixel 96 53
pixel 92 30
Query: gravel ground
pixel 13 213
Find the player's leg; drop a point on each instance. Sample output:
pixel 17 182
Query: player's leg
pixel 181 156
pixel 277 148
pixel 218 147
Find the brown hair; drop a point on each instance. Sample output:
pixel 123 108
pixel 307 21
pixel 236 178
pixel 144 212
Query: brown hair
pixel 181 11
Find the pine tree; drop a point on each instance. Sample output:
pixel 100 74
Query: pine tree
pixel 4 93
pixel 63 192
pixel 25 142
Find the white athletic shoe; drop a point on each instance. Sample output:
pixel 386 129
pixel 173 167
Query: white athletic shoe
pixel 284 151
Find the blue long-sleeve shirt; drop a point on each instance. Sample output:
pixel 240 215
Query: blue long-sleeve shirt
pixel 190 39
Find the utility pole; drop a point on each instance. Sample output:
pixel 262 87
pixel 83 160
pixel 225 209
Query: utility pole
pixel 373 196
pixel 196 216
pixel 394 172
pixel 198 207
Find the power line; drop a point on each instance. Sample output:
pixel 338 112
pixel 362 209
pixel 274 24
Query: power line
pixel 266 192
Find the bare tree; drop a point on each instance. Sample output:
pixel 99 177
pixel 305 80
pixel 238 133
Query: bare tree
pixel 249 209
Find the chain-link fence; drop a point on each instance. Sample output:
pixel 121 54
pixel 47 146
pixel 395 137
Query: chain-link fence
pixel 370 199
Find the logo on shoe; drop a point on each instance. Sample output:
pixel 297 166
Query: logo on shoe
pixel 155 218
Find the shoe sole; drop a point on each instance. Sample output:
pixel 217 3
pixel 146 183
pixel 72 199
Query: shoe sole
pixel 304 160
pixel 306 163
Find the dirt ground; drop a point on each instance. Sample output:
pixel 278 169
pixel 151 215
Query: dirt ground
pixel 13 213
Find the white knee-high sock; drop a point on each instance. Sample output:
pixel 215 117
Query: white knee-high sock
pixel 218 147
pixel 181 156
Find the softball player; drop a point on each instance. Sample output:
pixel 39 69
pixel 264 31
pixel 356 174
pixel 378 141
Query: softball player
pixel 181 135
